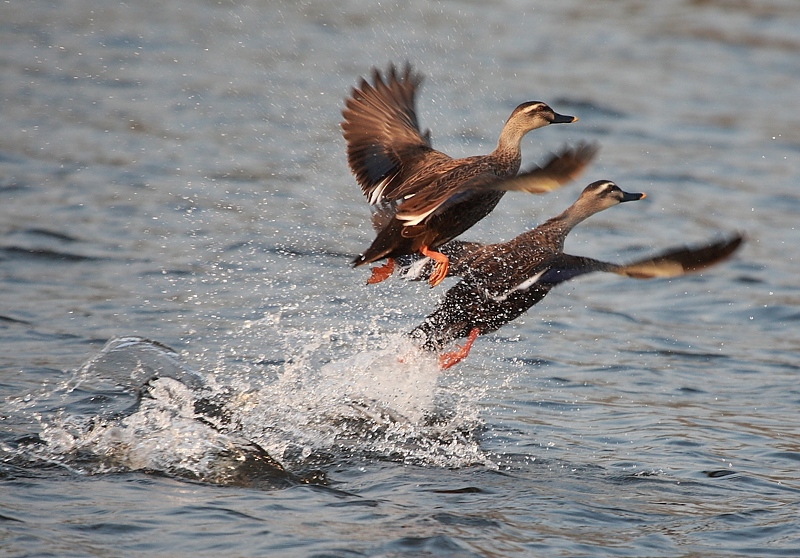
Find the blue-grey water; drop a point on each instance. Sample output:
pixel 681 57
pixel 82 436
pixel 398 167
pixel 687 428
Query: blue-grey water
pixel 174 171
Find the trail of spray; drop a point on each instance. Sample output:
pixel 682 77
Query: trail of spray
pixel 137 406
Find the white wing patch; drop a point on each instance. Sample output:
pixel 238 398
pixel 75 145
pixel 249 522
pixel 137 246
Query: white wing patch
pixel 377 194
pixel 526 284
pixel 411 220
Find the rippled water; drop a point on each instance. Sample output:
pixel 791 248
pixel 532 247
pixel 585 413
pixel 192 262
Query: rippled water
pixel 175 171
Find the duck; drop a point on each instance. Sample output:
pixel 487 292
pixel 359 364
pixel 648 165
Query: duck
pixel 499 282
pixel 423 198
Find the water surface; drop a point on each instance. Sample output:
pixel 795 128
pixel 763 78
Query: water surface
pixel 175 171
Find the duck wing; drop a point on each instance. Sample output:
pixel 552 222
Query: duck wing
pixel 385 145
pixel 679 261
pixel 488 302
pixel 561 168
pixel 500 274
pixel 466 181
pixel 671 263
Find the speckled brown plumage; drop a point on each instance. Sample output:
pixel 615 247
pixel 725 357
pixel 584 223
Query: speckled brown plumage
pixel 422 197
pixel 502 281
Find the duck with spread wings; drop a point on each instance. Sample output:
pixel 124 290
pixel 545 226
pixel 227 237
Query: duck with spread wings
pixel 423 198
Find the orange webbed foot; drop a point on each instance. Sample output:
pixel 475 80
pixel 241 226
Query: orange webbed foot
pixel 381 272
pixel 440 266
pixel 446 360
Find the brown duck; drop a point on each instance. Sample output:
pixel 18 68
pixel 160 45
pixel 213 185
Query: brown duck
pixel 501 281
pixel 422 197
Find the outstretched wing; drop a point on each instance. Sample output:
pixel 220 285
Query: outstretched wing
pixel 680 261
pixel 384 140
pixel 496 299
pixel 561 168
pixel 671 263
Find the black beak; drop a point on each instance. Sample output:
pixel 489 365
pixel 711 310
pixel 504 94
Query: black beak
pixel 627 196
pixel 563 119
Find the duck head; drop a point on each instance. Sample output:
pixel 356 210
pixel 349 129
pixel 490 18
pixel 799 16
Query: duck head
pixel 603 194
pixel 536 114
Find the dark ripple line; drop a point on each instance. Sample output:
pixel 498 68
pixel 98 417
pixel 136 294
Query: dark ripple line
pixel 618 314
pixel 17 252
pixel 11 320
pixel 357 503
pixel 673 352
pixel 228 511
pixel 465 490
pixel 110 528
pixel 50 234
pixel 720 473
pixel 691 390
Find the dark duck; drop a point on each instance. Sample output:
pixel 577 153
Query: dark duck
pixel 501 281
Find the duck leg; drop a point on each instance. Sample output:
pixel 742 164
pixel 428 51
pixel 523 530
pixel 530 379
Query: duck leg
pixel 440 266
pixel 446 360
pixel 381 272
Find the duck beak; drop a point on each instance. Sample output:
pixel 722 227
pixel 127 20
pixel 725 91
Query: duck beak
pixel 563 119
pixel 627 196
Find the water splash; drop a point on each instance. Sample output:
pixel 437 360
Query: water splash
pixel 388 402
pixel 136 405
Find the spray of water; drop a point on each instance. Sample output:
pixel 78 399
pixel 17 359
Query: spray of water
pixel 137 405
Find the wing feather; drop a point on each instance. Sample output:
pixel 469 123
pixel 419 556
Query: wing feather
pixel 385 145
pixel 560 169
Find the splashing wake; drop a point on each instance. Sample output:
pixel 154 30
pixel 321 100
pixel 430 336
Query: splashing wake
pixel 137 406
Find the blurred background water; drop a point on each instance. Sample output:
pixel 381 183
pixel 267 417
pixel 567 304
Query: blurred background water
pixel 174 170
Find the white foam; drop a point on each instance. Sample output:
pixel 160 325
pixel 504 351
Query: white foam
pixel 377 401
